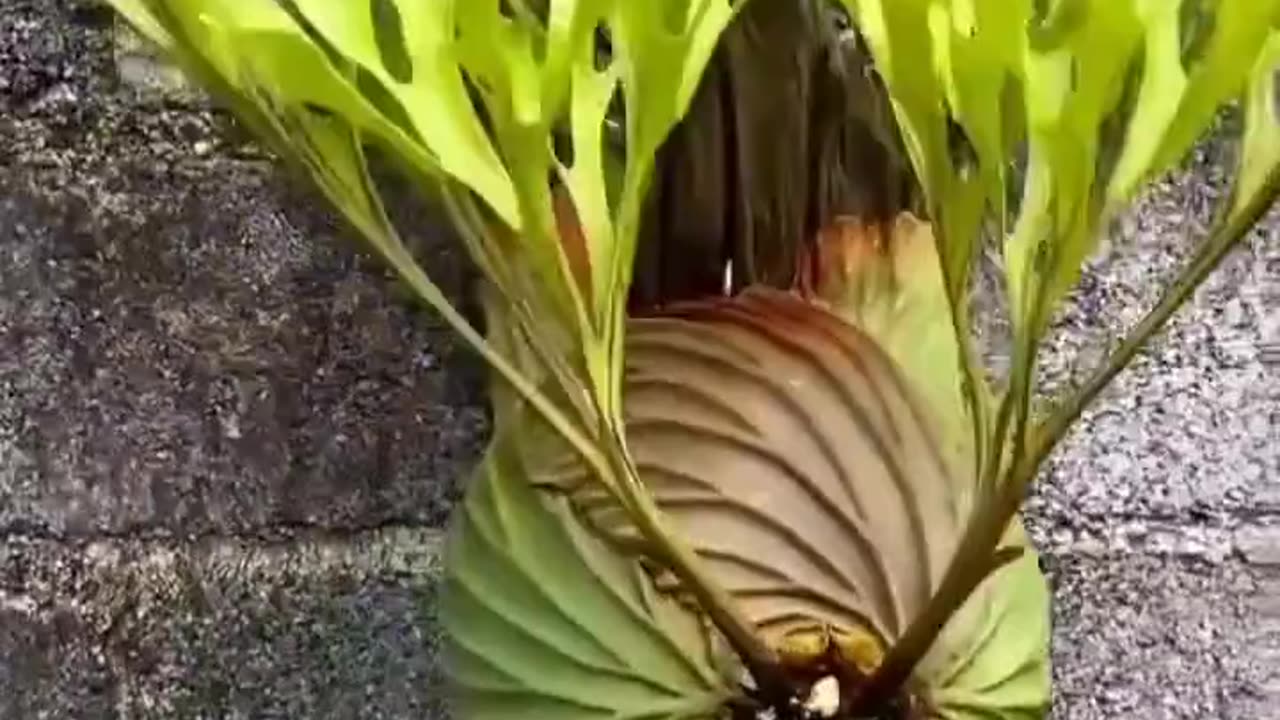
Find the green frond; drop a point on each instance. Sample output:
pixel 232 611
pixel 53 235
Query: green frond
pixel 1102 95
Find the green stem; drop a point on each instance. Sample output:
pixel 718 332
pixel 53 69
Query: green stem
pixel 975 559
pixel 976 556
pixel 1206 260
pixel 377 230
pixel 720 607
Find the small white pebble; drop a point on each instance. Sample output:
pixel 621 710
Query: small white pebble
pixel 824 697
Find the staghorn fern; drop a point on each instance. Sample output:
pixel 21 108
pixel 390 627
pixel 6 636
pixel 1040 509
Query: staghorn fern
pixel 712 496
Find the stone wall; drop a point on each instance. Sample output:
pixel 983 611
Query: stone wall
pixel 227 448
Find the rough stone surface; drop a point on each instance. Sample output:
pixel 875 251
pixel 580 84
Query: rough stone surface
pixel 190 346
pixel 227 448
pixel 1196 414
pixel 316 627
pixel 1146 636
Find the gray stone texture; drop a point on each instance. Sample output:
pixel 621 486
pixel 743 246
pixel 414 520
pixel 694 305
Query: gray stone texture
pixel 228 447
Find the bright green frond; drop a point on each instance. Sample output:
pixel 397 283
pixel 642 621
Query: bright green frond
pixel 1102 95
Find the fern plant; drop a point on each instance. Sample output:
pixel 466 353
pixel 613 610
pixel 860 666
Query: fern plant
pixel 745 459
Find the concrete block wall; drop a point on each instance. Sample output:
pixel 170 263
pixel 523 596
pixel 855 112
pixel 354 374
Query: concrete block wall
pixel 227 450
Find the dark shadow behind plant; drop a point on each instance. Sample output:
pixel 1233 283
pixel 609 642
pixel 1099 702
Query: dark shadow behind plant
pixel 744 456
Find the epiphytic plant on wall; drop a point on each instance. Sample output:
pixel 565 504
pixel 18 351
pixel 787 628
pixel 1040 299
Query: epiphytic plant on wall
pixel 745 460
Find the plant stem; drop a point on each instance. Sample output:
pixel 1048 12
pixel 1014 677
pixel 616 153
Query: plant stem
pixel 975 557
pixel 974 560
pixel 762 662
pixel 1207 259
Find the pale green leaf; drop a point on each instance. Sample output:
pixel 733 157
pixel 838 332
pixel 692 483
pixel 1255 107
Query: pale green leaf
pixel 1162 87
pixel 309 105
pixel 570 25
pixel 434 97
pixel 1220 40
pixel 1072 86
pixel 948 109
pixel 546 620
pixel 1104 93
pixel 898 35
pixel 141 17
pixel 949 112
pixel 286 67
pixel 1156 71
pixel 978 48
pixel 1260 148
pixel 991 661
pixel 661 48
pixel 592 91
